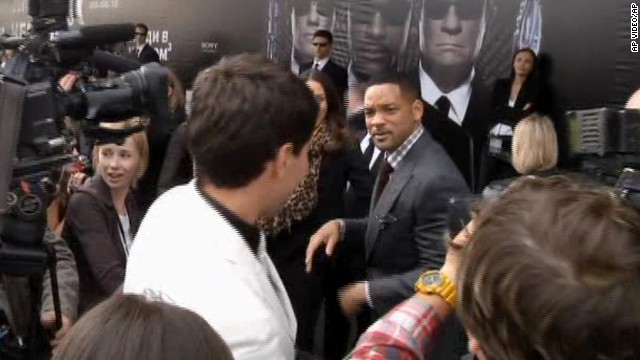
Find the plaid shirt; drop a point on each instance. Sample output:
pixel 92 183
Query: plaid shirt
pixel 396 157
pixel 406 333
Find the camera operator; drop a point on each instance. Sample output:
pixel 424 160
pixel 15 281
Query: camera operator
pixel 16 296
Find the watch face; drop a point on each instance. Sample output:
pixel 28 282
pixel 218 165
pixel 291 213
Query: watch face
pixel 432 279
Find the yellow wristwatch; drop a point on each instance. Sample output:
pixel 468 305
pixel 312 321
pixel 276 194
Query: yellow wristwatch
pixel 434 282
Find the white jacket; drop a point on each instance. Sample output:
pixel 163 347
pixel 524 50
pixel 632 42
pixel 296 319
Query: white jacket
pixel 186 253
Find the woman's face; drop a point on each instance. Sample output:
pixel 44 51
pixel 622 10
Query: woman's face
pixel 523 63
pixel 119 165
pixel 321 99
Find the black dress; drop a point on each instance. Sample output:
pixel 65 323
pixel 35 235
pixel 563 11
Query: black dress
pixel 287 249
pixel 495 168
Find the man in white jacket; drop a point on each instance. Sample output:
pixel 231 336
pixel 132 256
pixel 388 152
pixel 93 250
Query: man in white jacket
pixel 198 246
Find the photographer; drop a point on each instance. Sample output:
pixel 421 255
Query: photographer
pixel 16 297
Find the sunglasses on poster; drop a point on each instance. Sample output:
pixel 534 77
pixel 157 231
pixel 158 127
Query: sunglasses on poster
pixel 465 10
pixel 303 7
pixel 392 12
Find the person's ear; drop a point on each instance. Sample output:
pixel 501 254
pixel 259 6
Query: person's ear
pixel 284 156
pixel 417 109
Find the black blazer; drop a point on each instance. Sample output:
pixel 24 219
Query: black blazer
pixel 148 54
pixel 335 72
pixel 177 168
pixel 502 112
pixel 464 143
pixel 93 233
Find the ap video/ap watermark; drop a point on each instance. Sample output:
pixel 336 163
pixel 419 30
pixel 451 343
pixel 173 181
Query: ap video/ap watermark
pixel 634 27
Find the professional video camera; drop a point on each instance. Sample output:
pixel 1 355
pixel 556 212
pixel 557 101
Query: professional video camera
pixel 33 139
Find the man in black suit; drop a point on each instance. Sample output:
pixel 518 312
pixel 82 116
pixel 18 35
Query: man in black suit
pixel 145 53
pixel 322 46
pixel 458 109
pixel 404 231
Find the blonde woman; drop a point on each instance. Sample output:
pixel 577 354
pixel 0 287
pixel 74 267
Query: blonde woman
pixel 102 216
pixel 534 151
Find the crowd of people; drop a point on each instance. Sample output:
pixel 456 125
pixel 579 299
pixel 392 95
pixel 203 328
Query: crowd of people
pixel 266 223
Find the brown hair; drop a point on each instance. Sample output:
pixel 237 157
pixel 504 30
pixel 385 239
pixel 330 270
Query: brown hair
pixel 552 272
pixel 535 145
pixel 128 327
pixel 339 133
pixel 245 108
pixel 139 140
pixel 177 98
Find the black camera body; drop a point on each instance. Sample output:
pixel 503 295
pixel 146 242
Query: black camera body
pixel 34 141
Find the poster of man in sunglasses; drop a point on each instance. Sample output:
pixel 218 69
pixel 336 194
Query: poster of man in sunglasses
pixel 307 17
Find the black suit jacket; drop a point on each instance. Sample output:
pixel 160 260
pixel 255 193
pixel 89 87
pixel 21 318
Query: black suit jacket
pixel 502 112
pixel 464 143
pixel 335 72
pixel 148 54
pixel 404 230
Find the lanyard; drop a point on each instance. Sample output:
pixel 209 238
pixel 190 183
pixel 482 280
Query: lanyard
pixel 123 239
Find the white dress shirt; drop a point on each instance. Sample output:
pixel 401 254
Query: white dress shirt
pixel 459 97
pixel 321 63
pixel 364 144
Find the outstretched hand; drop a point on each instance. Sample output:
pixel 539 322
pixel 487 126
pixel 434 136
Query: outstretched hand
pixel 328 235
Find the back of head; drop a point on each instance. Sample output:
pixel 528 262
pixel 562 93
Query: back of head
pixel 244 109
pixel 553 272
pixel 535 145
pixel 128 327
pixel 407 84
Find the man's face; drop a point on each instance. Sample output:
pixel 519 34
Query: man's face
pixel 391 117
pixel 321 47
pixel 141 36
pixel 308 17
pixel 375 33
pixel 451 32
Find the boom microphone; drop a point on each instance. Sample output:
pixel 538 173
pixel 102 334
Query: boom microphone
pixel 11 42
pixel 92 36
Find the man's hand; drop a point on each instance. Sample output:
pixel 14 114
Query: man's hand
pixel 328 235
pixel 48 321
pixel 452 262
pixel 67 82
pixel 352 298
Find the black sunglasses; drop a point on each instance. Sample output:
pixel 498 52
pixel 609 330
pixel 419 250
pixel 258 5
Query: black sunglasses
pixel 320 44
pixel 141 34
pixel 466 10
pixel 393 12
pixel 303 7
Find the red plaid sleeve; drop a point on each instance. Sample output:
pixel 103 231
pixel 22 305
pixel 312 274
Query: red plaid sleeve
pixel 405 333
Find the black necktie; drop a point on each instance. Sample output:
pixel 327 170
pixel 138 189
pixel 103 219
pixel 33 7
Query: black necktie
pixel 383 177
pixel 317 67
pixel 444 105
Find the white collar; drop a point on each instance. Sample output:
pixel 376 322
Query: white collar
pixel 459 97
pixel 140 47
pixel 321 63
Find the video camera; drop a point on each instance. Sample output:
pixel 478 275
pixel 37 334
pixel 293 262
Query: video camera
pixel 33 139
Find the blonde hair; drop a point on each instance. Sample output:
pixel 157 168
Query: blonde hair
pixel 140 142
pixel 535 145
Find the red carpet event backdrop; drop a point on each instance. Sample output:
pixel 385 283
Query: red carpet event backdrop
pixel 587 43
